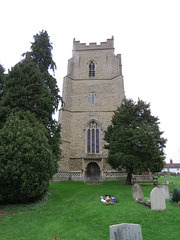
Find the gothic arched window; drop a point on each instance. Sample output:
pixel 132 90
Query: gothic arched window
pixel 91 69
pixel 93 137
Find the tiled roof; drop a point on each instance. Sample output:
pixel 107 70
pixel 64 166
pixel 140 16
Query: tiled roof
pixel 172 165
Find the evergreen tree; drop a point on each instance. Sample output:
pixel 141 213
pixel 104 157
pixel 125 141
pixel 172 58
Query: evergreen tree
pixel 134 140
pixel 2 80
pixel 25 90
pixel 26 159
pixel 2 75
pixel 29 90
pixel 41 54
pixel 30 87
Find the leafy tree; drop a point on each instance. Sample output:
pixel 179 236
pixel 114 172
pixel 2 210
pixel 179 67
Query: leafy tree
pixel 26 159
pixel 134 140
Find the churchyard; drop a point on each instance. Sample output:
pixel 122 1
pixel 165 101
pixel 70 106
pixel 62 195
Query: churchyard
pixel 74 211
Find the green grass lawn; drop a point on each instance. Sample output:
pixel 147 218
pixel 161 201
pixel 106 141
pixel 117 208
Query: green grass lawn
pixel 74 212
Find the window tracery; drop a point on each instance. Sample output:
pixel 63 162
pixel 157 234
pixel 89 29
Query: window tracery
pixel 93 137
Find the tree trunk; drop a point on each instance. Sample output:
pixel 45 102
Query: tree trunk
pixel 128 179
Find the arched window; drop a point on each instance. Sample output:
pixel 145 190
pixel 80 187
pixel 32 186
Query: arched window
pixel 93 137
pixel 91 69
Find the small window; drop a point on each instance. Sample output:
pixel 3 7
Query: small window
pixel 93 97
pixel 91 69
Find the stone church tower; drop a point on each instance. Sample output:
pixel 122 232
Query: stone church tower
pixel 92 90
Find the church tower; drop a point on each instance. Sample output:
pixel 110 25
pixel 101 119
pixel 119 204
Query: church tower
pixel 92 91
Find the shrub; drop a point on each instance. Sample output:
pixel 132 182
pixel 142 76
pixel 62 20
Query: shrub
pixel 176 196
pixel 26 159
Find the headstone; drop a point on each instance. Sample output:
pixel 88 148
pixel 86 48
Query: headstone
pixel 165 190
pixel 137 192
pixel 125 231
pixel 157 199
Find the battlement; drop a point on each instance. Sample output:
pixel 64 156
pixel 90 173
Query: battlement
pixel 77 46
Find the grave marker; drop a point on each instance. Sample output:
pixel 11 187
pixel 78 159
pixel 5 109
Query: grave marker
pixel 157 199
pixel 125 231
pixel 137 192
pixel 165 190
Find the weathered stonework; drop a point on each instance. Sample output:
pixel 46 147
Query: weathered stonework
pixel 89 99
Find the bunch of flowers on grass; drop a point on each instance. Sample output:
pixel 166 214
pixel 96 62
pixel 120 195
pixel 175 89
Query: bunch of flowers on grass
pixel 109 200
pixel 109 203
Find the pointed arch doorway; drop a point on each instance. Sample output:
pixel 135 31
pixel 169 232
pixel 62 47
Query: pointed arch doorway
pixel 93 172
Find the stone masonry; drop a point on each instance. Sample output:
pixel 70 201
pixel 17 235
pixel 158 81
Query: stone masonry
pixel 92 90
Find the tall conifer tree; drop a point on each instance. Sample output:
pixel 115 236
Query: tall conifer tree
pixel 41 54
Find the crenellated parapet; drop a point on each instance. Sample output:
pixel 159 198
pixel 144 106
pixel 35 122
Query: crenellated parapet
pixel 77 46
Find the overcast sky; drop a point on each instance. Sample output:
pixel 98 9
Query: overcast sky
pixel 146 34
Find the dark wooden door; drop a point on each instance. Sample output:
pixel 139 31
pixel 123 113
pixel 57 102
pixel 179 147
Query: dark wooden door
pixel 93 171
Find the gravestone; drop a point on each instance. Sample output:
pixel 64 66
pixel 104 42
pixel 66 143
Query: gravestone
pixel 165 190
pixel 137 192
pixel 125 231
pixel 157 199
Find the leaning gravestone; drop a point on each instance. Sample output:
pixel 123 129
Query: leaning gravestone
pixel 165 190
pixel 157 199
pixel 125 231
pixel 137 192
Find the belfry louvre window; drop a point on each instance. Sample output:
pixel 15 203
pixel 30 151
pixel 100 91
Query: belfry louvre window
pixel 91 69
pixel 93 137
